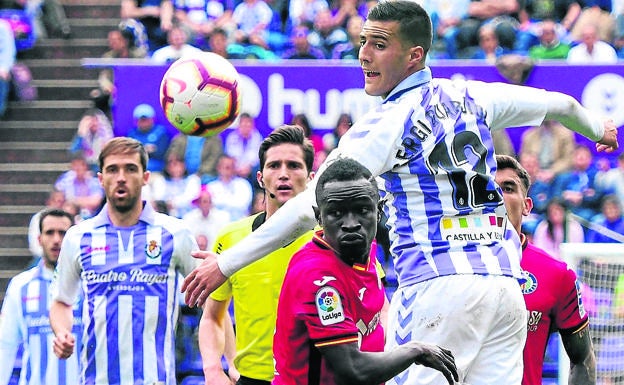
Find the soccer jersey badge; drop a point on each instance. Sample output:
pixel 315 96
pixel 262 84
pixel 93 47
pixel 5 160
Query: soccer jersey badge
pixel 329 306
pixel 531 283
pixel 152 249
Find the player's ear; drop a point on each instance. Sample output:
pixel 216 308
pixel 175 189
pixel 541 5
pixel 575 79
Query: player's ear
pixel 317 214
pixel 259 179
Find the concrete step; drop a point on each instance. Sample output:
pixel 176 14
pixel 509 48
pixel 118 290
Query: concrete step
pixel 39 131
pixel 93 10
pixel 66 49
pixel 12 239
pixel 60 69
pixel 93 28
pixel 34 152
pixel 49 110
pixel 64 89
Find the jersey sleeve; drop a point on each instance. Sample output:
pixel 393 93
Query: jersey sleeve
pixel 375 139
pixel 10 331
pixel 185 243
pixel 570 315
pixel 509 105
pixel 66 283
pixel 224 291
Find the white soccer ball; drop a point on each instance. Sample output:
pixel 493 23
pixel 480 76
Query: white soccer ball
pixel 200 94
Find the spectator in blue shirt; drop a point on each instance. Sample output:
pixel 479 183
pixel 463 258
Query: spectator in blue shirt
pixel 154 137
pixel 610 225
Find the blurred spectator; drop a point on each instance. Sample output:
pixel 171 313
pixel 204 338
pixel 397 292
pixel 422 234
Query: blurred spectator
pixel 200 154
pixel 597 13
pixel 257 203
pixel 343 10
pixel 230 192
pixel 218 42
pixel 608 223
pixel 252 18
pixel 7 60
pixel 201 17
pixel 577 187
pixel 502 143
pixel 562 12
pixel 302 49
pixel 243 144
pixel 48 16
pixel 302 121
pixel 552 143
pixel 549 47
pixel 81 187
pixel 325 35
pixel 591 49
pixel 94 130
pixel 154 137
pixel 330 140
pixel 556 228
pixel 204 219
pixel 155 15
pixel 176 48
pixel 120 44
pixel 612 181
pixel 177 188
pixel 488 48
pixel 305 11
pixel 351 48
pixel 55 200
pixel 446 15
pixel 501 14
pixel 540 191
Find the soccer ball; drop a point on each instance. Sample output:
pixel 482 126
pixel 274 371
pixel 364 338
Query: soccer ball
pixel 200 94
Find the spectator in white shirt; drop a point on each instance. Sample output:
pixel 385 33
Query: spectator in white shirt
pixel 592 50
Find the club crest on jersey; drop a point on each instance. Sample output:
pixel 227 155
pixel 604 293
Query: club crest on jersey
pixel 531 283
pixel 329 306
pixel 153 249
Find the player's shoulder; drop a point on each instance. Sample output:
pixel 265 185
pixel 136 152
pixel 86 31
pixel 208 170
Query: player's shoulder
pixel 171 223
pixel 21 279
pixel 534 256
pixel 234 231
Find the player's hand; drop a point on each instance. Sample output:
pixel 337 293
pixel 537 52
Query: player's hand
pixel 218 377
pixel 64 345
pixel 435 357
pixel 203 280
pixel 609 141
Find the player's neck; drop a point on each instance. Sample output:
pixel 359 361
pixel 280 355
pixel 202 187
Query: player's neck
pixel 126 219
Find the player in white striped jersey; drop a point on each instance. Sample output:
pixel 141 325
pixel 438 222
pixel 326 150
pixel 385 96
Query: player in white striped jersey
pixel 127 259
pixel 430 141
pixel 25 314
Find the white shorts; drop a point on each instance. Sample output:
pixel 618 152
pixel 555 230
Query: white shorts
pixel 481 319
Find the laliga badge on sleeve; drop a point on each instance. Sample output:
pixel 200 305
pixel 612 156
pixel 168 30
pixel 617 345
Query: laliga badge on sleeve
pixel 329 306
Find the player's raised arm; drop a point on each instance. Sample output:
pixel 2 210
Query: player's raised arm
pixel 292 220
pixel 574 116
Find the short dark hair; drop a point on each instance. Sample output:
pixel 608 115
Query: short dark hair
pixel 509 162
pixel 414 22
pixel 54 213
pixel 344 169
pixel 288 134
pixel 123 145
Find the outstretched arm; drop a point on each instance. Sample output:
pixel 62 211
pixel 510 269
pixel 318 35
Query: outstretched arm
pixel 353 366
pixel 579 348
pixel 291 221
pixel 570 113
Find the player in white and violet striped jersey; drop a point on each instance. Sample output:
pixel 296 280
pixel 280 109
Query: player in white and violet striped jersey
pixel 25 318
pixel 128 260
pixel 457 259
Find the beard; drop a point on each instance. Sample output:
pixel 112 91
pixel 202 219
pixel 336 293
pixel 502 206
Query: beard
pixel 124 205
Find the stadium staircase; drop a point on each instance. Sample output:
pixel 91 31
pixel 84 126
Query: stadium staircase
pixel 34 136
